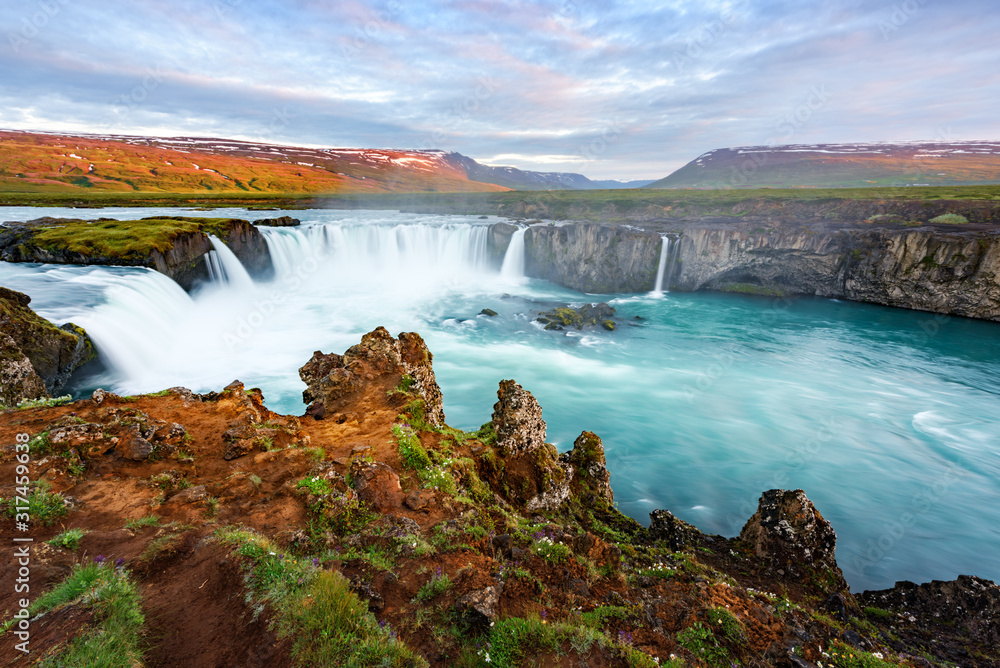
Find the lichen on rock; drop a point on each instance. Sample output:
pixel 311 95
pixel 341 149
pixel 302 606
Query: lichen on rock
pixel 53 353
pixel 332 380
pixel 790 533
pixel 517 420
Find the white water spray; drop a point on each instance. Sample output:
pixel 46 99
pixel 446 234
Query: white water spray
pixel 662 267
pixel 230 270
pixel 513 259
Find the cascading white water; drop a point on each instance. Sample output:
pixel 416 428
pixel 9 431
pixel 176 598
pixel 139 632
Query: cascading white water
pixel 215 273
pixel 288 247
pixel 662 267
pixel 513 259
pixel 229 268
pixel 332 282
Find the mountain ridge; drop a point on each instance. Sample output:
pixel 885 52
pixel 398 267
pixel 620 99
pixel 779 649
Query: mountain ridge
pixel 863 164
pixel 40 161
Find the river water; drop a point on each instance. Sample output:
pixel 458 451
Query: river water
pixel 888 419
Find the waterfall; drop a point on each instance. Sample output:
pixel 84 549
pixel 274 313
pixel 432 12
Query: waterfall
pixel 394 251
pixel 289 248
pixel 675 247
pixel 215 274
pixel 665 268
pixel 662 267
pixel 513 259
pixel 227 266
pixel 138 321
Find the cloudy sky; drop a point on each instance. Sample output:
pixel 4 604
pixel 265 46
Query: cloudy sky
pixel 608 89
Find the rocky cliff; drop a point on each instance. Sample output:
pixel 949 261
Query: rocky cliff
pixel 951 269
pixel 593 258
pixel 36 357
pixel 175 246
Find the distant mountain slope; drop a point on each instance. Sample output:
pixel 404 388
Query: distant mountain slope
pixel 39 161
pixel 48 162
pixel 520 179
pixel 841 165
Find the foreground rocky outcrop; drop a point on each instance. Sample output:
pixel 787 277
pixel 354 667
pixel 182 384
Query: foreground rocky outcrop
pixel 36 357
pixel 334 380
pixel 378 535
pixel 178 253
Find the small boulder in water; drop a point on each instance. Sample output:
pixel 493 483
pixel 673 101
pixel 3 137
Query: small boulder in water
pixel 488 311
pixel 588 315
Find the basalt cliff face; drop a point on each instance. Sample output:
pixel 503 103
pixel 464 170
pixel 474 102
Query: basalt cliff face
pixel 593 258
pixel 946 269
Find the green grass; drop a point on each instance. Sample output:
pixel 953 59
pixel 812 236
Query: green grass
pixel 159 547
pixel 39 446
pixel 139 523
pixel 560 204
pixel 69 539
pixel 124 239
pixel 879 613
pixel 700 641
pixel 315 485
pixel 725 624
pixel 950 219
pixel 844 656
pixel 40 403
pixel 113 638
pixel 432 475
pixel 751 289
pixel 437 585
pixel 514 640
pixel 39 504
pixel 551 551
pixel 328 624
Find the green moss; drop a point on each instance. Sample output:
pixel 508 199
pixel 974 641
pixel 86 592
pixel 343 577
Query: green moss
pixel 751 289
pixel 950 219
pixel 124 239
